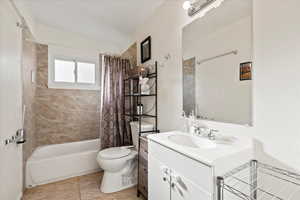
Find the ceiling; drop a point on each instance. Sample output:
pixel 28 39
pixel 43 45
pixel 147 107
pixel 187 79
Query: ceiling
pixel 229 12
pixel 97 19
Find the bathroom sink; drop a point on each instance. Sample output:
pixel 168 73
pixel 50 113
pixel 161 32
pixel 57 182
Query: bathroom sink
pixel 192 141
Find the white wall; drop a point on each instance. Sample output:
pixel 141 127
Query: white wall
pixel 26 15
pixel 63 39
pixel 66 39
pixel 276 83
pixel 110 41
pixel 276 93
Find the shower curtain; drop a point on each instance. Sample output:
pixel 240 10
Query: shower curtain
pixel 114 129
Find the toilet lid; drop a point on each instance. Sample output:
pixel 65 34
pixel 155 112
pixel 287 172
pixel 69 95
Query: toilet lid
pixel 114 153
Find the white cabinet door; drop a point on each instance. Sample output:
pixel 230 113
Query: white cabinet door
pixel 158 180
pixel 196 172
pixel 10 102
pixel 184 189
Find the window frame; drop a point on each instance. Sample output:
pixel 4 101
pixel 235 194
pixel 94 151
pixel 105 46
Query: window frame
pixel 76 85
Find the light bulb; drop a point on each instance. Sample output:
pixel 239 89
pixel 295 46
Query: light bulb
pixel 186 5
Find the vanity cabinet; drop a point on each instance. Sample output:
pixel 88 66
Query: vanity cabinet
pixel 143 167
pixel 173 176
pixel 159 180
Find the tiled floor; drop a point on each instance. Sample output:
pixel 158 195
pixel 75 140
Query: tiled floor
pixel 78 188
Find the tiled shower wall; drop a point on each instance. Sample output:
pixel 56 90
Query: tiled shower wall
pixel 29 65
pixel 66 115
pixel 56 116
pixel 63 115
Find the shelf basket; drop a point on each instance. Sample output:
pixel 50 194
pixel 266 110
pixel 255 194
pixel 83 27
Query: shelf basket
pixel 258 181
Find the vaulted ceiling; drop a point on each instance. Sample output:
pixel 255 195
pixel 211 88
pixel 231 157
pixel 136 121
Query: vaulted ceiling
pixel 98 19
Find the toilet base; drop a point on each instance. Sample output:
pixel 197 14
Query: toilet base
pixel 114 182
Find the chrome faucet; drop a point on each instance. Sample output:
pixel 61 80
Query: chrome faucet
pixel 212 134
pixel 203 131
pixel 199 130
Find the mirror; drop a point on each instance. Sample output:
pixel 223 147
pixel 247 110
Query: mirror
pixel 217 64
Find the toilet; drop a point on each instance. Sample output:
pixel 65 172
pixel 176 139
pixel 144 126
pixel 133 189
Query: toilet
pixel 120 163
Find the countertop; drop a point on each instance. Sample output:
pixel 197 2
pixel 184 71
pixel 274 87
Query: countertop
pixel 241 149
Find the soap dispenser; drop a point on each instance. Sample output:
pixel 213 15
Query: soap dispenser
pixel 185 122
pixel 192 123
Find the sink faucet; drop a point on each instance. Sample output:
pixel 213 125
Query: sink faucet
pixel 212 134
pixel 199 130
pixel 204 131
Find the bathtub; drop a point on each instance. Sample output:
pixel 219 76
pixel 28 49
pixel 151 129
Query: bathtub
pixel 61 161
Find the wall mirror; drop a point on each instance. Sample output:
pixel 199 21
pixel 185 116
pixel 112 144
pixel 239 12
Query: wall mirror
pixel 217 64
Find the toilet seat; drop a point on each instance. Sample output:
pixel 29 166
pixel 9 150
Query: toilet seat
pixel 114 153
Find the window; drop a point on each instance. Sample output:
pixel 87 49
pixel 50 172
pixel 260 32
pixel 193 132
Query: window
pixel 86 72
pixel 72 74
pixel 64 71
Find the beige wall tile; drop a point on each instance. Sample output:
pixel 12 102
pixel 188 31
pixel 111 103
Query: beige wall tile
pixel 29 64
pixel 63 115
pixel 57 116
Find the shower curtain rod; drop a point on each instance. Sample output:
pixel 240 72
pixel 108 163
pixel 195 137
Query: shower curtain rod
pixel 235 52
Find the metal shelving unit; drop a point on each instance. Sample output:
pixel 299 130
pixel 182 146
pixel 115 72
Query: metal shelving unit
pixel 258 181
pixel 135 97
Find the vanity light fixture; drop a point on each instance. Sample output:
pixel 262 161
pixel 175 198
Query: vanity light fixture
pixel 194 7
pixel 187 5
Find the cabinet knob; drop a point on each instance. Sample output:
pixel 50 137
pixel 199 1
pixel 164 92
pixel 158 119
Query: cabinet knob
pixel 173 185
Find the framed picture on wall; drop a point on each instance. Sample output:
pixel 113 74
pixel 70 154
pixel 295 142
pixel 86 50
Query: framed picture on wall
pixel 146 49
pixel 246 71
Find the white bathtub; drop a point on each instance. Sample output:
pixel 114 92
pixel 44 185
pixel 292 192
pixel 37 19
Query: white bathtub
pixel 60 161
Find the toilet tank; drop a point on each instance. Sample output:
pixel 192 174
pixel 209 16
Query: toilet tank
pixel 135 130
